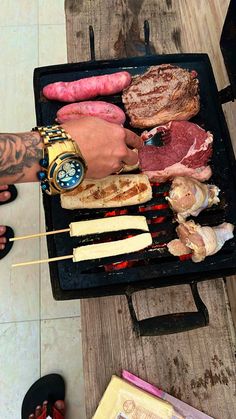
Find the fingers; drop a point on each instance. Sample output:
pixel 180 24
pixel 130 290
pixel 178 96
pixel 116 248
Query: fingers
pixel 4 196
pixel 118 168
pixel 2 230
pixel 3 239
pixel 132 139
pixel 60 405
pixel 124 153
pixel 131 157
pixel 38 411
pixel 45 405
pixel 3 187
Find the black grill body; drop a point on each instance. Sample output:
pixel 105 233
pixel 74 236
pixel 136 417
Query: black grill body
pixel 153 267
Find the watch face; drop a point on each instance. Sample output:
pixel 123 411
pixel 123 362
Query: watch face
pixel 69 174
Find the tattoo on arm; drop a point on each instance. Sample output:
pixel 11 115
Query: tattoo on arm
pixel 17 152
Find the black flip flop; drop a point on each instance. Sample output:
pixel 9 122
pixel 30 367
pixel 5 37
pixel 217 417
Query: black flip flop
pixel 13 191
pixel 8 245
pixel 51 387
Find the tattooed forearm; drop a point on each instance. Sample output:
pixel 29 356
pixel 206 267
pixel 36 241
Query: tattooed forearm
pixel 19 152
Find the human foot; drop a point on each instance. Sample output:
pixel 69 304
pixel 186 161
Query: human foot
pixel 50 387
pixel 59 405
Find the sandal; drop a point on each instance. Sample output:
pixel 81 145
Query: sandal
pixel 13 191
pixel 8 245
pixel 51 388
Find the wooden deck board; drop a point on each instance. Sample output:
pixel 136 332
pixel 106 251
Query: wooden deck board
pixel 196 366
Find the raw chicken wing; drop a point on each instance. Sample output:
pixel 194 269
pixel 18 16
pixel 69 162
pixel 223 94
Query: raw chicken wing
pixel 188 196
pixel 200 241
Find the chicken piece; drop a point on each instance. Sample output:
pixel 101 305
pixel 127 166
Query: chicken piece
pixel 177 248
pixel 202 241
pixel 188 196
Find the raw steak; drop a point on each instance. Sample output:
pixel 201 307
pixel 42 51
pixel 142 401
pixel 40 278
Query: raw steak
pixel 186 151
pixel 164 93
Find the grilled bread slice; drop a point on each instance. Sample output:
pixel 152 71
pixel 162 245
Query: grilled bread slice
pixel 112 191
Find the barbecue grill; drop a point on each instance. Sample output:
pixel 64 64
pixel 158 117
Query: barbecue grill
pixel 155 266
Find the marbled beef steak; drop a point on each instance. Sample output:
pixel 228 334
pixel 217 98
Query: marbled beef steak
pixel 164 93
pixel 186 151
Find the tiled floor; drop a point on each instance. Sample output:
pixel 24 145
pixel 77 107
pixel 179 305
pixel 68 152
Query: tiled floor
pixel 38 335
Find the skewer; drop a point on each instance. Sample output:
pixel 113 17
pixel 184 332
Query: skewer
pixel 34 262
pixel 31 236
pixel 100 250
pixel 100 225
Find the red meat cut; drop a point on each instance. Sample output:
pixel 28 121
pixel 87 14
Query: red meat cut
pixel 186 151
pixel 163 93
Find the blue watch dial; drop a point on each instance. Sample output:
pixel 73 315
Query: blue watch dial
pixel 70 174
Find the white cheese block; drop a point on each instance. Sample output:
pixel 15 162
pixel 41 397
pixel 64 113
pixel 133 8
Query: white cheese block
pixel 103 225
pixel 119 247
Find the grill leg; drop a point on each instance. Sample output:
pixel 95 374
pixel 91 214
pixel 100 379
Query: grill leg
pixel 171 323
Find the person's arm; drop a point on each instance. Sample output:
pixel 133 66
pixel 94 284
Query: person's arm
pixel 19 157
pixel 105 147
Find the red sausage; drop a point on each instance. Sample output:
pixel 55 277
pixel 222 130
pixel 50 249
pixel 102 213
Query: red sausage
pixel 87 88
pixel 103 110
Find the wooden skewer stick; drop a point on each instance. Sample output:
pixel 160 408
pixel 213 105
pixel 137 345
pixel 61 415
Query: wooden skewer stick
pixel 34 262
pixel 82 228
pixel 47 233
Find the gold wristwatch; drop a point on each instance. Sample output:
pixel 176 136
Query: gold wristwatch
pixel 62 167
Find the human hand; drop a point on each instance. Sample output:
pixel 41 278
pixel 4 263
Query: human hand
pixel 104 146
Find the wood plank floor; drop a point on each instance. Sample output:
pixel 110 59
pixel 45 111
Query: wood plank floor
pixel 197 366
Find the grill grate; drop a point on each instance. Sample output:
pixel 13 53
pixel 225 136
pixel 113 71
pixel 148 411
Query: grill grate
pixel 152 267
pixel 161 225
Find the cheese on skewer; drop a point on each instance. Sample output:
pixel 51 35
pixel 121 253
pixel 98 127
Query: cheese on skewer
pixel 103 225
pixel 100 250
pixel 100 225
pixel 119 247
